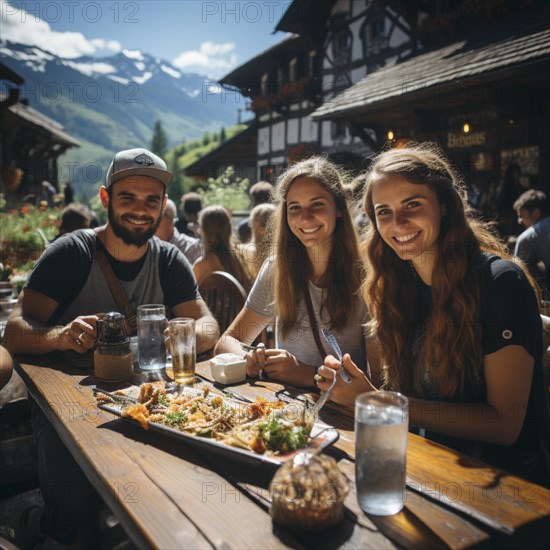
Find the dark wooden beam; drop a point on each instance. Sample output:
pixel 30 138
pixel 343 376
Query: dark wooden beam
pixel 359 131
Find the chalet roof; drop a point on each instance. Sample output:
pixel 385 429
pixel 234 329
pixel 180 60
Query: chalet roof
pixel 6 73
pixel 241 76
pixel 306 17
pixel 45 123
pixel 237 149
pixel 461 62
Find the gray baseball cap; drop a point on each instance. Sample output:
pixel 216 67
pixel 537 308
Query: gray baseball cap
pixel 137 162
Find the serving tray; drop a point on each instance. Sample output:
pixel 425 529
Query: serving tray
pixel 322 435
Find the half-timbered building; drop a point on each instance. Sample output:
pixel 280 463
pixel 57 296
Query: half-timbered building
pixel 332 45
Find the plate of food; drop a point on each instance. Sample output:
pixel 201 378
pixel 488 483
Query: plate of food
pixel 261 431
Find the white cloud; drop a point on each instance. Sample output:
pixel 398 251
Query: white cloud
pixel 210 48
pixel 210 57
pixel 103 44
pixel 26 28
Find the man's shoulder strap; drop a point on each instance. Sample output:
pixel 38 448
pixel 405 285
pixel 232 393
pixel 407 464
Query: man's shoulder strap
pixel 116 288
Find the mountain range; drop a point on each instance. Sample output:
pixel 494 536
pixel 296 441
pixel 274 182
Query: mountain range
pixel 112 103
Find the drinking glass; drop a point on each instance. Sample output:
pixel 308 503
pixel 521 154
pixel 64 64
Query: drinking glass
pixel 381 426
pixel 151 322
pixel 183 349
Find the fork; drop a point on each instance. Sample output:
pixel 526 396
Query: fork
pixel 115 396
pixel 311 413
pixel 331 339
pixel 248 347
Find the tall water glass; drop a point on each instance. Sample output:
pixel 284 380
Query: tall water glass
pixel 151 322
pixel 183 349
pixel 381 426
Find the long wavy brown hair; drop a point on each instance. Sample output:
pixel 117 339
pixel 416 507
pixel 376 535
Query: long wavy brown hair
pixel 218 239
pixel 293 268
pixel 452 350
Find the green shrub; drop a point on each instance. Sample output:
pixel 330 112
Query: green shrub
pixel 20 239
pixel 227 190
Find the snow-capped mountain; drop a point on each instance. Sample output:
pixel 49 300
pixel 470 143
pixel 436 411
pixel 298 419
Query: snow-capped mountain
pixel 113 102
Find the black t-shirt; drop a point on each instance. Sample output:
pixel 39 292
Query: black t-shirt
pixel 63 269
pixel 509 316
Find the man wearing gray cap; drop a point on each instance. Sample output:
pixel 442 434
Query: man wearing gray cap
pixel 68 291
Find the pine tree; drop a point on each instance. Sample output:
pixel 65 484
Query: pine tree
pixel 159 140
pixel 223 137
pixel 176 188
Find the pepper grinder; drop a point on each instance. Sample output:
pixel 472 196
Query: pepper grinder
pixel 113 359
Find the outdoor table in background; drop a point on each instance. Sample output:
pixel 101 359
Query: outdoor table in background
pixel 166 494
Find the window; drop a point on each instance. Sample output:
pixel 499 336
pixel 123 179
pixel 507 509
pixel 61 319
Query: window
pixel 337 130
pixel 264 85
pixel 293 70
pixel 375 40
pixel 281 81
pixel 341 47
pixel 312 60
pixel 341 50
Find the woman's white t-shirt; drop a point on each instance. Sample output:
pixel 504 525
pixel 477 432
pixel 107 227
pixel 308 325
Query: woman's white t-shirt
pixel 300 341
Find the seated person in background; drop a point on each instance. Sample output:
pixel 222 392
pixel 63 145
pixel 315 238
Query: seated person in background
pixel 457 322
pixel 6 366
pixel 167 231
pixel 190 206
pixel 47 193
pixel 74 216
pixel 67 292
pixel 260 193
pixel 315 268
pixel 256 251
pixel 533 245
pixel 220 251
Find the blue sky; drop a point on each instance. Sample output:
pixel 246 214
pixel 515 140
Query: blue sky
pixel 209 37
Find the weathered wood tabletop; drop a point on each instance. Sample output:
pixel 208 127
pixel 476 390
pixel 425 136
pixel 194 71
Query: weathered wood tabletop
pixel 167 494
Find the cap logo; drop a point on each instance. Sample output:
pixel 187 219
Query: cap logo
pixel 144 160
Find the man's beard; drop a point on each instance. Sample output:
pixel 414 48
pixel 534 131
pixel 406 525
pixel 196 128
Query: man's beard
pixel 137 236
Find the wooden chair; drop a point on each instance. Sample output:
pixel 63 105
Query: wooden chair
pixel 224 295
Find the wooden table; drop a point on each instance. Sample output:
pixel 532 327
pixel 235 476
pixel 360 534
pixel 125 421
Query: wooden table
pixel 167 495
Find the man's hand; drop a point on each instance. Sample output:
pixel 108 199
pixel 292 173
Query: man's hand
pixel 80 334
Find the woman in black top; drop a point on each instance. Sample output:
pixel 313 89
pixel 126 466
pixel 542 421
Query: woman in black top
pixel 456 320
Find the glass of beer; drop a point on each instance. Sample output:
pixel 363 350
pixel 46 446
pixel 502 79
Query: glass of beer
pixel 183 349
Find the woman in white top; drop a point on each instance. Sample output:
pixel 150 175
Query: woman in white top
pixel 316 255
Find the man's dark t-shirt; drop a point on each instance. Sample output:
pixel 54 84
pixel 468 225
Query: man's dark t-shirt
pixel 63 270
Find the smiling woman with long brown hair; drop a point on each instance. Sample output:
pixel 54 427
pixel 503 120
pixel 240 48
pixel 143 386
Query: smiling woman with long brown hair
pixel 316 259
pixel 457 320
